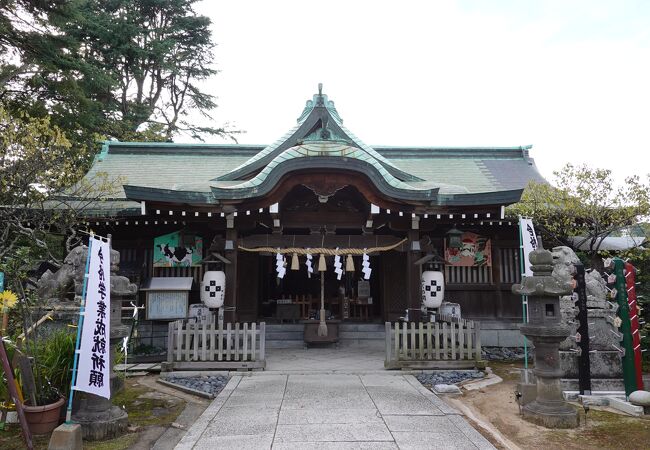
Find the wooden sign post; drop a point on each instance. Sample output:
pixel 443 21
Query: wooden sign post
pixel 11 385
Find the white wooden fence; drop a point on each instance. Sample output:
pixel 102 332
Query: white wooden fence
pixel 192 345
pixel 432 345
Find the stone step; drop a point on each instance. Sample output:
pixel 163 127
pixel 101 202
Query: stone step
pixel 284 327
pixel 290 335
pixel 285 344
pixel 344 326
pixel 284 335
pixel 363 327
pixel 343 334
pixel 380 335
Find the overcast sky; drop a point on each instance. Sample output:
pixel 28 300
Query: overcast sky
pixel 572 78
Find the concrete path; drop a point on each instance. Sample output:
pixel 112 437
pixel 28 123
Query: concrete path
pixel 330 411
pixel 351 359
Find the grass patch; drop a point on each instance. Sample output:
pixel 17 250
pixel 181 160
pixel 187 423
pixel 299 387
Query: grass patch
pixel 508 370
pixel 610 430
pixel 142 412
pixel 120 443
pixel 11 438
pixel 147 411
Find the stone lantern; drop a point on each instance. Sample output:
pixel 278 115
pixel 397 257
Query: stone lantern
pixel 546 331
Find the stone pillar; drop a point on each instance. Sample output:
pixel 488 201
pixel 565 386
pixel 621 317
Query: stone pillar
pixel 546 332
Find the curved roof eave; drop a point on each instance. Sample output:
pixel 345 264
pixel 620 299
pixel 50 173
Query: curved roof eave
pixel 267 184
pixel 429 198
pixel 318 109
pixel 142 193
pixel 481 198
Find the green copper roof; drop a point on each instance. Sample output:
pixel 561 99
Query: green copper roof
pixel 329 149
pixel 318 121
pixel 207 173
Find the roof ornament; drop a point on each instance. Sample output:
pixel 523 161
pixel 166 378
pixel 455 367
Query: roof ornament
pixel 324 117
pixel 324 132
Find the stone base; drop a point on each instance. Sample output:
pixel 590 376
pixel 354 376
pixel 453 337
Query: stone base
pixel 104 425
pixel 66 437
pixel 556 416
pixel 597 384
pixel 528 393
pixel 603 364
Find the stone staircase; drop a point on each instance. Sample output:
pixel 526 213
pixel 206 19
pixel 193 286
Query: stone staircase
pixel 290 335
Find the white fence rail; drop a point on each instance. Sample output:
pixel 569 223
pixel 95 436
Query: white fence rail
pixel 192 345
pixel 453 344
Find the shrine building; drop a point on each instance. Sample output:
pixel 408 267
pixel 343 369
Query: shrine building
pixel 184 209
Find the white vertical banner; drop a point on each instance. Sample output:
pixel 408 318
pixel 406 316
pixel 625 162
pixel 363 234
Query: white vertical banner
pixel 93 372
pixel 529 242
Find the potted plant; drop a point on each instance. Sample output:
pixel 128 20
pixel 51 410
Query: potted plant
pixel 42 358
pixel 52 371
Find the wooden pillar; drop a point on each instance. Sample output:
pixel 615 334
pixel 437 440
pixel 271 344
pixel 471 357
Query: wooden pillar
pixel 231 276
pixel 413 288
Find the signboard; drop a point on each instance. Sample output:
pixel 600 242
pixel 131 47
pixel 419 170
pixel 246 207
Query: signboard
pixel 201 314
pixel 529 242
pixel 475 250
pixel 93 373
pixel 177 250
pixel 2 282
pixel 363 289
pixel 167 305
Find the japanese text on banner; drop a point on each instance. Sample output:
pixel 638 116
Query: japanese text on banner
pixel 529 241
pixel 93 374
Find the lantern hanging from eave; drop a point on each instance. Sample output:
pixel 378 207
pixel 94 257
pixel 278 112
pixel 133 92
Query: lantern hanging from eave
pixel 454 237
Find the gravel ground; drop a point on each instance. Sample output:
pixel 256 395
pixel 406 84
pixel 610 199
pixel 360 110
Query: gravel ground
pixel 207 383
pixel 449 376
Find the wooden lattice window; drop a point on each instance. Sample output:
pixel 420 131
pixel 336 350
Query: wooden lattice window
pixel 468 275
pixel 510 268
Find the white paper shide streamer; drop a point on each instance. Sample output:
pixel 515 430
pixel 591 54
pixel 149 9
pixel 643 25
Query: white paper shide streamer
pixel 365 266
pixel 93 373
pixel 308 263
pixel 280 265
pixel 338 266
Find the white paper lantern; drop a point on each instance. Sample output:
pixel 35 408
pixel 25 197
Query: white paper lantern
pixel 213 288
pixel 433 288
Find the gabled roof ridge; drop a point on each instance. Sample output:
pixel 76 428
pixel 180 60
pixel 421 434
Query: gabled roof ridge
pixel 332 149
pixel 318 112
pixel 452 147
pixel 176 144
pixel 520 152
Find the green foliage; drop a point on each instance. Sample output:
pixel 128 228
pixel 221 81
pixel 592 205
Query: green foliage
pixel 125 69
pixel 52 368
pixel 4 391
pixel 54 357
pixel 37 162
pixel 583 202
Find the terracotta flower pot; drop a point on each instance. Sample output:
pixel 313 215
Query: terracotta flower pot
pixel 43 419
